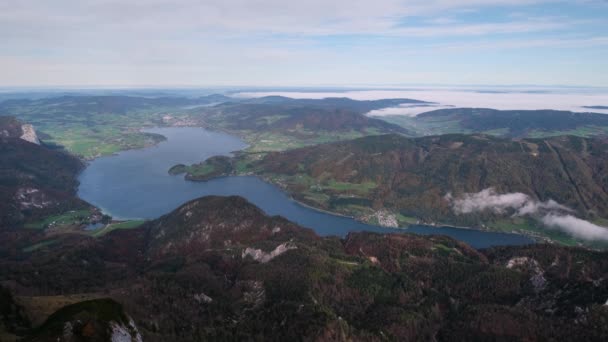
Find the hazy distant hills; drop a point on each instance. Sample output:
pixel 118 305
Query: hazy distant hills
pixel 277 119
pixel 507 123
pixel 329 113
pixel 91 105
pixel 281 117
pixel 361 106
pixel 217 268
pixel 278 123
pixel 95 125
pixel 121 104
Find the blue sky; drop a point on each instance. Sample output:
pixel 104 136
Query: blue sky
pixel 312 43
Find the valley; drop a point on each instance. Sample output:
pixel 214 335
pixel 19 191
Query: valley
pixel 92 126
pixel 315 171
pixel 377 177
pixel 120 184
pixel 364 233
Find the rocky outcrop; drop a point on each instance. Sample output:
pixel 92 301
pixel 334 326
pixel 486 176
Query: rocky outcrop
pixel 12 128
pixel 122 332
pixel 94 320
pixel 32 198
pixel 263 257
pixel 29 134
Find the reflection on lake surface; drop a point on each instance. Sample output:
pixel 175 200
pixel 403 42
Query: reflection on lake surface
pixel 136 185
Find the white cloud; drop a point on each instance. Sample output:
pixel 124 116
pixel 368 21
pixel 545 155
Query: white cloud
pixel 550 213
pixel 576 227
pixel 532 207
pixel 487 199
pixel 269 16
pixel 478 29
pixel 406 110
pixel 372 41
pixel 503 98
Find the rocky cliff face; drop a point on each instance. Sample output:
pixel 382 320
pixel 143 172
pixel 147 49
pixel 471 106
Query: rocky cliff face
pixel 13 128
pixel 217 268
pixel 29 134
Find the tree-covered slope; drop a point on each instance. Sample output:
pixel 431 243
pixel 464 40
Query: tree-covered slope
pixel 278 123
pixel 35 181
pixel 424 178
pixel 506 123
pixel 217 268
pixel 569 170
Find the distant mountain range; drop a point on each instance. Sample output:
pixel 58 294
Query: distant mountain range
pixel 87 105
pixel 506 123
pixel 596 107
pixel 262 117
pixel 345 103
pixel 278 123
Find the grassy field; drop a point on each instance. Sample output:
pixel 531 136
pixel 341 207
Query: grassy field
pixel 275 141
pixel 39 245
pixel 94 233
pixel 118 225
pixel 362 188
pixel 430 127
pixel 585 131
pixel 531 227
pixel 71 218
pixel 93 134
pixel 94 140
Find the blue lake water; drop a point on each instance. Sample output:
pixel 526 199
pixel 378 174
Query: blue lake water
pixel 136 185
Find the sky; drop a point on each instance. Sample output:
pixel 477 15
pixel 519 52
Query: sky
pixel 160 43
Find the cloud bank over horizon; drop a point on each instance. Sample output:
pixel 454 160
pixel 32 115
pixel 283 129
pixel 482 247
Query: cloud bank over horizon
pixel 550 214
pixel 505 98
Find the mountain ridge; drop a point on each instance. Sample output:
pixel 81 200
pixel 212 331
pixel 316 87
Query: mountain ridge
pixel 419 179
pixel 366 286
pixel 505 123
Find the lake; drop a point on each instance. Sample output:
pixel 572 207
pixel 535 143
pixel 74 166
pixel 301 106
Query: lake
pixel 135 184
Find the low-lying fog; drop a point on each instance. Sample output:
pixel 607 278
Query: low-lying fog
pixel 571 99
